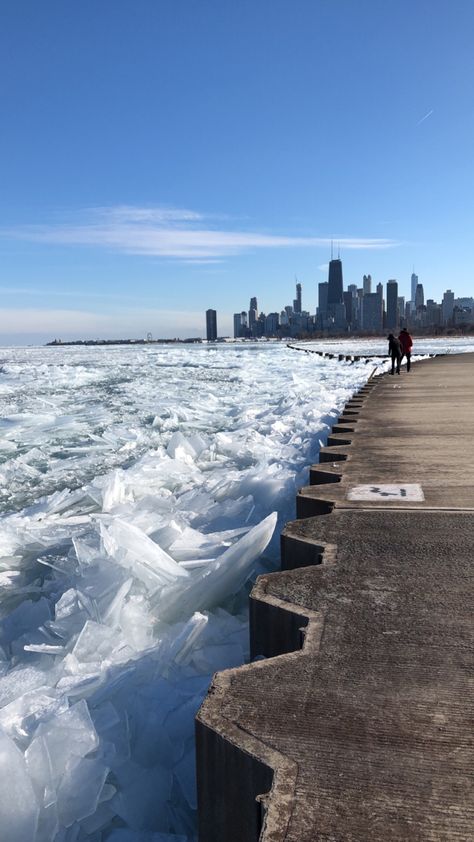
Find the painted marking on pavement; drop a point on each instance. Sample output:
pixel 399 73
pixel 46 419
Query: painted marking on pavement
pixel 408 492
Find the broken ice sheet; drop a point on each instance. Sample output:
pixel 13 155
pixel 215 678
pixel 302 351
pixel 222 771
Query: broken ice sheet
pixel 221 578
pixel 231 428
pixel 21 716
pixel 135 551
pixel 19 810
pixel 80 789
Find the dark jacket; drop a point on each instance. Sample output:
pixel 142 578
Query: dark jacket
pixel 394 347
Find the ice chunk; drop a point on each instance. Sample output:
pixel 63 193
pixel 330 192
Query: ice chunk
pixel 115 491
pixel 18 681
pixel 25 618
pixel 19 810
pixel 180 644
pixel 179 447
pixel 74 729
pixel 221 578
pixel 99 820
pixel 135 551
pixel 94 643
pixel 21 717
pixel 142 795
pixel 137 622
pixel 112 614
pixel 80 788
pixel 38 763
pixel 44 648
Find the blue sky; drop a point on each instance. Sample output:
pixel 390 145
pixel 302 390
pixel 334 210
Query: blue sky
pixel 160 157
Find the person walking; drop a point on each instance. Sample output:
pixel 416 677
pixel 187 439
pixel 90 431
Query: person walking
pixel 407 344
pixel 395 352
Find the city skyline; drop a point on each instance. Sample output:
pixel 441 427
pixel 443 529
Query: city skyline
pixel 357 309
pixel 159 159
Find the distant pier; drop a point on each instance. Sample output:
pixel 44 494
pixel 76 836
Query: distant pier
pixel 357 724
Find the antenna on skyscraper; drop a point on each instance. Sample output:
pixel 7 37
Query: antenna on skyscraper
pixel 331 249
pixel 338 251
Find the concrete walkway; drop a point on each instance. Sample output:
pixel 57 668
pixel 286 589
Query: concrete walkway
pixel 358 726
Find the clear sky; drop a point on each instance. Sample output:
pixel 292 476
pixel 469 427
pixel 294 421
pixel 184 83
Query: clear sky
pixel 160 157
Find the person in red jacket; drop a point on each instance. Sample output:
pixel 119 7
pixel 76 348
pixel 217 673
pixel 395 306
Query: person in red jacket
pixel 407 343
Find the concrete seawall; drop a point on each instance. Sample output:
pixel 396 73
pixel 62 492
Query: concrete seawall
pixel 357 725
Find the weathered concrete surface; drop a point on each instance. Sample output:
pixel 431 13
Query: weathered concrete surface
pixel 416 427
pixel 368 729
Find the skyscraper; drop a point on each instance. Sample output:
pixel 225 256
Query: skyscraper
pixel 419 296
pixel 211 325
pixel 349 305
pixel 253 315
pixel 392 305
pixel 237 325
pixel 447 306
pixel 414 282
pixel 323 298
pixel 297 300
pixel 335 291
pixel 367 284
pixel 372 312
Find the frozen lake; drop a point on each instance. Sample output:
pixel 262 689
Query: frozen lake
pixel 141 488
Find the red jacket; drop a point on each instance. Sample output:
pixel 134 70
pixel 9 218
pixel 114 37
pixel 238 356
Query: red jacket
pixel 405 341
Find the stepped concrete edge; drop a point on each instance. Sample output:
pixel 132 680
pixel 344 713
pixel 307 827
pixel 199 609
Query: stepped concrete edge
pixel 250 786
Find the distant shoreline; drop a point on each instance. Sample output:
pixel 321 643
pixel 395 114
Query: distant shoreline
pixel 58 343
pixel 450 333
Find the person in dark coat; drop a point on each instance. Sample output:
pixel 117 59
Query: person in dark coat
pixel 395 352
pixel 407 343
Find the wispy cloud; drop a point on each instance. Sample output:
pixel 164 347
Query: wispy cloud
pixel 172 233
pixel 76 293
pixel 428 114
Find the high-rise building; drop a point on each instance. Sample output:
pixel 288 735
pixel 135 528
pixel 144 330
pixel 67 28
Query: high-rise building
pixel 401 311
pixel 419 296
pixel 350 309
pixel 433 313
pixel 392 305
pixel 466 302
pixel 323 299
pixel 414 284
pixel 253 315
pixel 237 325
pixel 372 312
pixel 447 306
pixel 272 323
pixel 297 300
pixel 367 284
pixel 335 284
pixel 211 325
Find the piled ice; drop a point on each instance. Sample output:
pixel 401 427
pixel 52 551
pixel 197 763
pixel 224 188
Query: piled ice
pixel 141 490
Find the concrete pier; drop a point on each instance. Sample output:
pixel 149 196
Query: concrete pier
pixel 358 724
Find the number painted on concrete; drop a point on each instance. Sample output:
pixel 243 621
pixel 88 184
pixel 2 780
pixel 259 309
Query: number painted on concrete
pixel 408 492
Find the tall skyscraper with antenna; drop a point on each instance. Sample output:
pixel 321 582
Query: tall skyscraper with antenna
pixel 414 284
